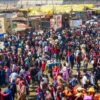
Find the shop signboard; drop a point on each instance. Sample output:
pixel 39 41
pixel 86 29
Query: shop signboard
pixel 56 22
pixel 75 23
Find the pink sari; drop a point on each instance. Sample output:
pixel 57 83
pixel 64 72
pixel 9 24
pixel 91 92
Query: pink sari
pixel 65 74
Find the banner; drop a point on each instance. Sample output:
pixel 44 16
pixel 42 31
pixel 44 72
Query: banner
pixel 56 22
pixel 2 25
pixel 19 26
pixel 75 23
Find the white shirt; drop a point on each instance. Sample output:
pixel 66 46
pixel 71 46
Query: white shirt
pixel 92 79
pixel 84 80
pixel 22 71
pixel 13 76
pixel 29 53
pixel 45 80
pixel 27 47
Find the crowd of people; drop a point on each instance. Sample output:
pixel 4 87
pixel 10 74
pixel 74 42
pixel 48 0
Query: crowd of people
pixel 65 64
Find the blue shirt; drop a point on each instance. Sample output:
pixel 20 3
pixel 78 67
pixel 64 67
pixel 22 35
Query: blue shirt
pixel 9 97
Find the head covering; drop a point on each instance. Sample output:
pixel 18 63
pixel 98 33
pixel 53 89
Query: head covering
pixel 91 90
pixel 67 92
pixel 78 94
pixel 79 89
pixel 75 89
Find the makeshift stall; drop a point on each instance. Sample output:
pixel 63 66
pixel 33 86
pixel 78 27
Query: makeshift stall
pixel 53 10
pixel 47 10
pixel 19 24
pixel 20 27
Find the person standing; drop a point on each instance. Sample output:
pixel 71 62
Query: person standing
pixel 13 88
pixel 84 80
pixel 2 95
pixel 97 75
pixel 10 96
pixel 22 92
pixel 72 58
pixel 3 77
pixel 78 61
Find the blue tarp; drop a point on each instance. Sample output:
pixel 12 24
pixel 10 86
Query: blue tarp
pixel 53 64
pixel 2 35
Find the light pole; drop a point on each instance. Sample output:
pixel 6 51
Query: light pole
pixel 53 6
pixel 21 4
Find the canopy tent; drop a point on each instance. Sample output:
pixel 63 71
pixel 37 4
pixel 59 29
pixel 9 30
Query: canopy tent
pixel 96 9
pixel 47 9
pixel 62 9
pixel 57 9
pixel 23 10
pixel 34 11
pixel 89 6
pixel 77 8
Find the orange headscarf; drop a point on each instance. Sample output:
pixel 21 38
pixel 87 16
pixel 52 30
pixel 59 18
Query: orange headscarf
pixel 67 92
pixel 75 90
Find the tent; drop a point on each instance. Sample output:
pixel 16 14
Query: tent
pixel 96 9
pixel 47 9
pixel 57 9
pixel 62 9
